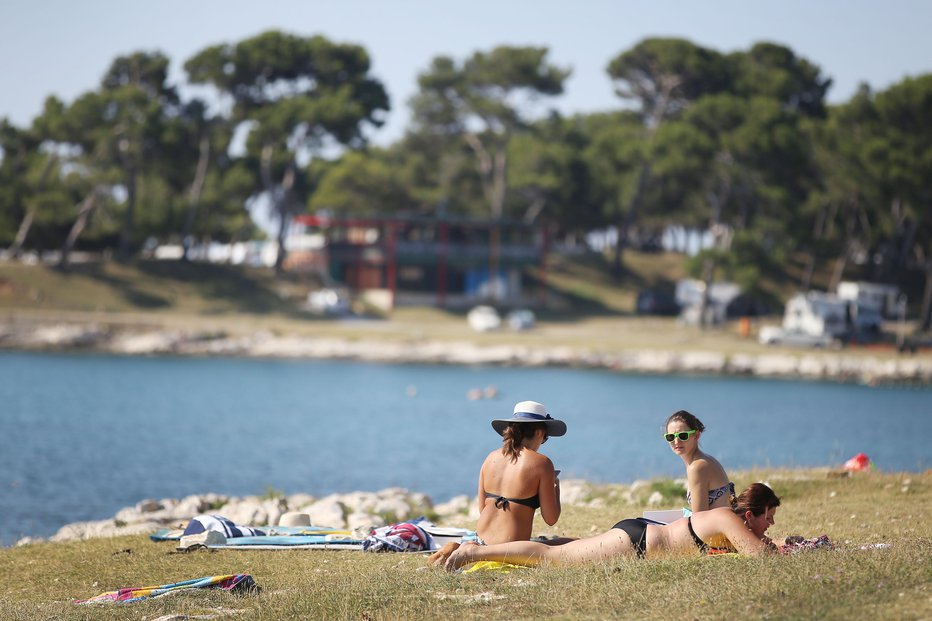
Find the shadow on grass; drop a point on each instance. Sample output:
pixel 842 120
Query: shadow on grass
pixel 243 289
pixel 238 289
pixel 129 290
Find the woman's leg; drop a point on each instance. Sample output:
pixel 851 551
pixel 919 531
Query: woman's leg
pixel 592 549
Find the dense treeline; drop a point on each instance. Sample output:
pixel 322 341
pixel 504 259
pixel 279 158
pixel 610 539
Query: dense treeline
pixel 742 145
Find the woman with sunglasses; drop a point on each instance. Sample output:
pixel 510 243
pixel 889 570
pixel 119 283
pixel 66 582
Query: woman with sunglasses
pixel 516 479
pixel 739 530
pixel 707 485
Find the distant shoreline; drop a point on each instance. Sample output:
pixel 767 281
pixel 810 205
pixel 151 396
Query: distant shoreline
pixel 136 340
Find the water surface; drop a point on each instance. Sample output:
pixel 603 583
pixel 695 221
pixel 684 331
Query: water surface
pixel 83 436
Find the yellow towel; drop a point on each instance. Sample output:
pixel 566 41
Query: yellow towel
pixel 493 566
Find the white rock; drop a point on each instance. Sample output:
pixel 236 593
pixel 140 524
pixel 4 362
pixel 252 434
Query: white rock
pixel 458 505
pixel 149 506
pixel 393 506
pixel 299 500
pixel 705 361
pixel 655 499
pixel 356 501
pixel 574 491
pixel 363 521
pixel 252 511
pixel 100 528
pixel 326 512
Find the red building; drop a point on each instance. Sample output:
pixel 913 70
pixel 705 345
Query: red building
pixel 421 260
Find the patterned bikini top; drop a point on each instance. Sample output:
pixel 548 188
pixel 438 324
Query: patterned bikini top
pixel 718 492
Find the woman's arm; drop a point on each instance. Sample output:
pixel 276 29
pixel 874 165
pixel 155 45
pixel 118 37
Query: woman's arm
pixel 549 493
pixel 698 485
pixel 480 496
pixel 736 531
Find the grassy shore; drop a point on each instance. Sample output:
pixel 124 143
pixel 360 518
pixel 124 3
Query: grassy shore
pixel 591 312
pixel 893 582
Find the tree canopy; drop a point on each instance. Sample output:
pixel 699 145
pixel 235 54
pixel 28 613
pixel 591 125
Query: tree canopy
pixel 741 145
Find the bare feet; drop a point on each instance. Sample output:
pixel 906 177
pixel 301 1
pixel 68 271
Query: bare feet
pixel 440 556
pixel 460 556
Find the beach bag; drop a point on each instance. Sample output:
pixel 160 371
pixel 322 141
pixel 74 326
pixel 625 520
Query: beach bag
pixel 401 537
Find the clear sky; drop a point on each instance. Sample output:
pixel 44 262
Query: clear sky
pixel 63 47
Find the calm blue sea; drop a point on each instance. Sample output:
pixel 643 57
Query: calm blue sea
pixel 82 436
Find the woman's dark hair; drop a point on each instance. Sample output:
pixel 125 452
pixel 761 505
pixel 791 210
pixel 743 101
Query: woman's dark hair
pixel 756 498
pixel 686 417
pixel 514 436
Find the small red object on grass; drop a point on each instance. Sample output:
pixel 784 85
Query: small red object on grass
pixel 859 462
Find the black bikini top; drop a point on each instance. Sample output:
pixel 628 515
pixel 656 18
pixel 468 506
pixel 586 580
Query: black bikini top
pixel 502 503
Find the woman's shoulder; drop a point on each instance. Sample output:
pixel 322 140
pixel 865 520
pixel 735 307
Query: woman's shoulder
pixel 705 465
pixel 718 515
pixel 534 459
pixel 493 458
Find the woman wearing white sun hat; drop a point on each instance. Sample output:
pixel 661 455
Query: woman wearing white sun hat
pixel 516 479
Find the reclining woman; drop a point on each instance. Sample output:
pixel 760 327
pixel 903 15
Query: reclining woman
pixel 707 485
pixel 516 479
pixel 740 530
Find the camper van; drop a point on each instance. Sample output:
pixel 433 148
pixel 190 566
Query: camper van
pixel 884 298
pixel 817 314
pixel 817 318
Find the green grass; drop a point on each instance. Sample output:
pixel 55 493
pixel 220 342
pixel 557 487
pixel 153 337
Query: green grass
pixel 892 583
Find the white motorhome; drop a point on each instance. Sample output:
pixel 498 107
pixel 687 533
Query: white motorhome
pixel 820 319
pixel 884 298
pixel 816 314
pixel 824 314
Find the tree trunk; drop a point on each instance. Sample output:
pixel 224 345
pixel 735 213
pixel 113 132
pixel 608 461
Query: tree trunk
pixel 630 215
pixel 283 207
pixel 807 271
pixel 655 116
pixel 17 246
pixel 534 209
pixel 485 166
pixel 839 270
pixel 194 195
pixel 126 235
pixel 492 169
pixel 708 275
pixel 84 213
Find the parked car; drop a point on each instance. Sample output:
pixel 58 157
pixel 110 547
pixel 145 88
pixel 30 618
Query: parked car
pixel 521 319
pixel 655 302
pixel 775 335
pixel 483 319
pixel 329 301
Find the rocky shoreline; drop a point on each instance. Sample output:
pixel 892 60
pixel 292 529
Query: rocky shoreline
pixel 124 340
pixel 356 511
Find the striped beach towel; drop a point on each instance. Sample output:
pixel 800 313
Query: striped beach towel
pixel 202 523
pixel 231 582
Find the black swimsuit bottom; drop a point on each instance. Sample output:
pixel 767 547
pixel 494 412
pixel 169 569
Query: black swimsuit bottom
pixel 637 531
pixel 502 503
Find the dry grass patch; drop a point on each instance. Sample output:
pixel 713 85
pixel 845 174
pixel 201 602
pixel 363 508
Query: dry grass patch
pixel 869 508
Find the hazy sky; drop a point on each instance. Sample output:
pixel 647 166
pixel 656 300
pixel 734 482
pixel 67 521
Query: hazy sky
pixel 63 47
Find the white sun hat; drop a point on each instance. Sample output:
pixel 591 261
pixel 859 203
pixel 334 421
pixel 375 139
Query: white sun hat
pixel 530 412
